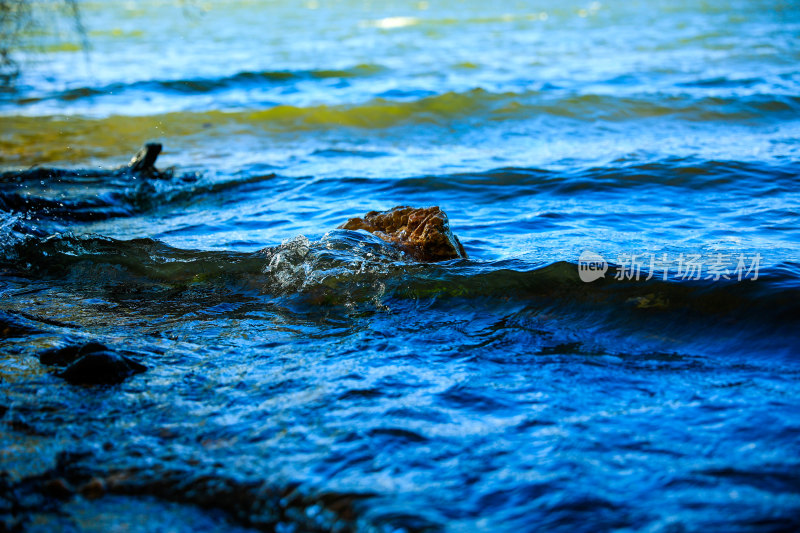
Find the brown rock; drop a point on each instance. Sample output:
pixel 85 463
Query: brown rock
pixel 58 488
pixel 423 233
pixel 93 489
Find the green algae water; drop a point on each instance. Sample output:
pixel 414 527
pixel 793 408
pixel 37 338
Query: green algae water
pixel 619 351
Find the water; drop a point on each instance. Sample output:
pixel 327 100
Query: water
pixel 301 378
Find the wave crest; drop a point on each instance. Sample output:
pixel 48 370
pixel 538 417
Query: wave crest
pixel 343 262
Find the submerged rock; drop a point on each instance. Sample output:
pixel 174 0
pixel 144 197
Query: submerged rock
pixel 65 355
pixel 91 364
pixel 423 233
pixel 12 326
pixel 101 368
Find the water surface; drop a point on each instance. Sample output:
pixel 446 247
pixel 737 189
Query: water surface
pixel 303 378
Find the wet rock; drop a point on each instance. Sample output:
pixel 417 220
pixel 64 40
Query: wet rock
pixel 252 503
pixel 65 355
pixel 101 368
pixel 12 326
pixel 94 489
pixel 91 363
pixel 57 488
pixel 422 233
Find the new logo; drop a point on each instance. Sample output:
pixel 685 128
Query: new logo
pixel 591 266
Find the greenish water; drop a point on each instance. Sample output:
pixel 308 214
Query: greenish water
pixel 302 378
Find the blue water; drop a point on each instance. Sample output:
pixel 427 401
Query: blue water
pixel 303 378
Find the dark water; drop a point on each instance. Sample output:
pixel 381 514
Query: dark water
pixel 302 378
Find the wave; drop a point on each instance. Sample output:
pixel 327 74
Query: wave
pixel 190 86
pixel 451 107
pixel 686 173
pixel 346 267
pixel 103 194
pixel 78 195
pixel 42 138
